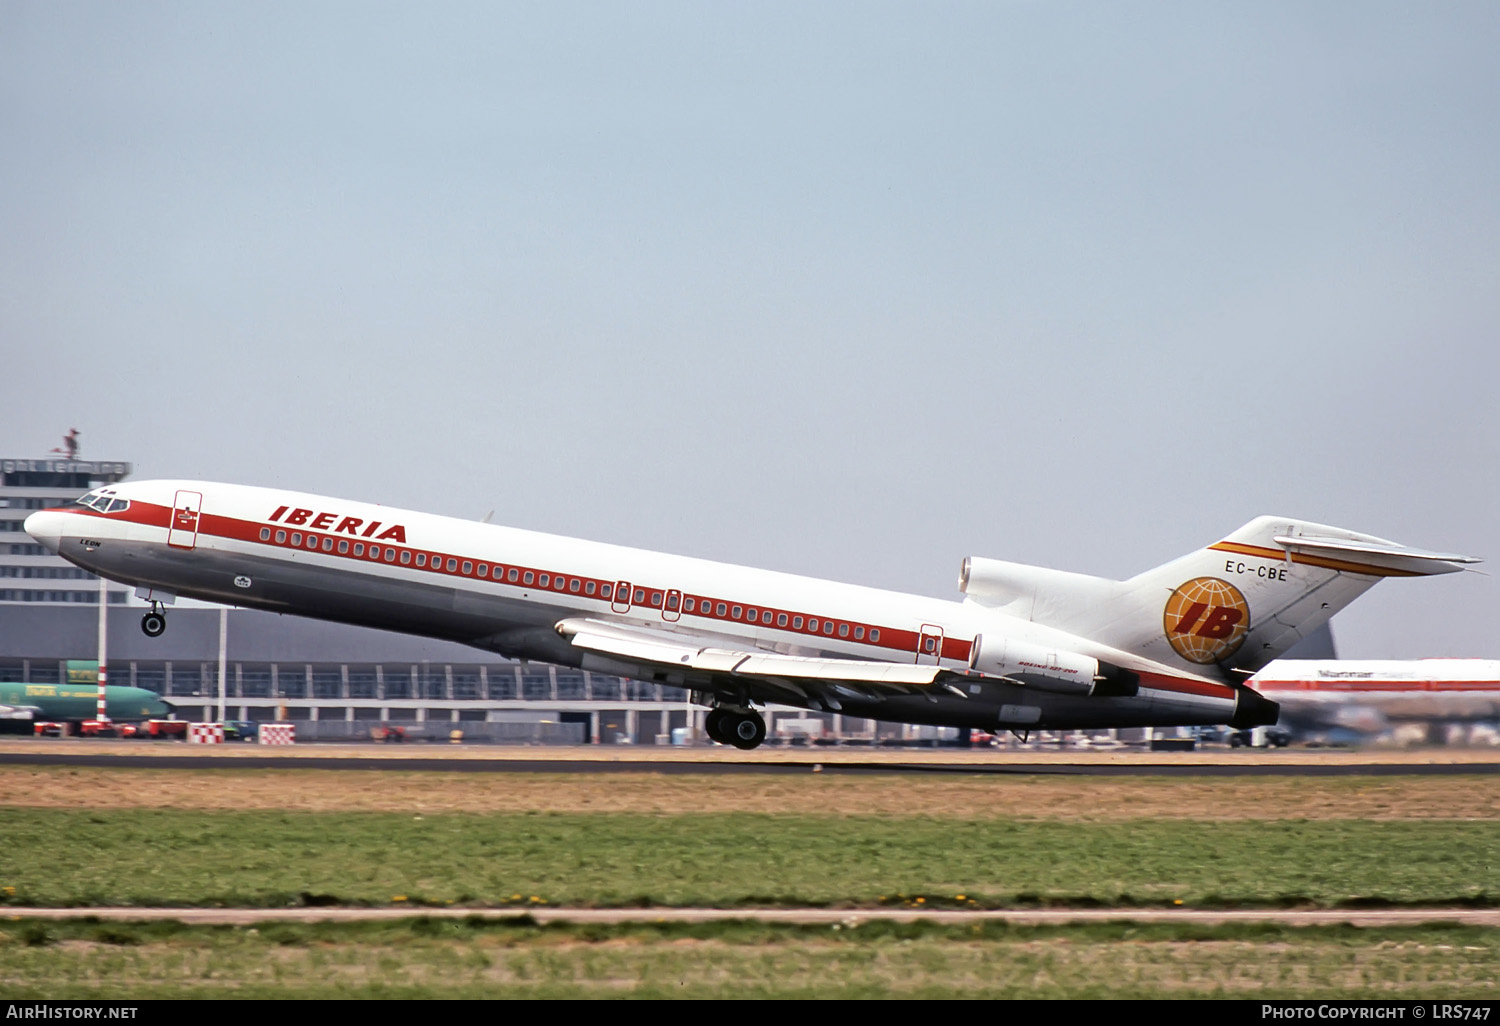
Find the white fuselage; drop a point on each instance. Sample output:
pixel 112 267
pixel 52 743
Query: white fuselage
pixel 506 590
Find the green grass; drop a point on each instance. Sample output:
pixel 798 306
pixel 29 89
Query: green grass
pixel 270 859
pixel 472 958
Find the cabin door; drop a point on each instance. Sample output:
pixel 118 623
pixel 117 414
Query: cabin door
pixel 187 509
pixel 929 644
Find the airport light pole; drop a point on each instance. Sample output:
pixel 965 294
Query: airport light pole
pixel 102 713
pixel 223 647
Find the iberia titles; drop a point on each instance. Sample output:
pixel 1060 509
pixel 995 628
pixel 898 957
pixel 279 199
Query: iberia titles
pixel 332 522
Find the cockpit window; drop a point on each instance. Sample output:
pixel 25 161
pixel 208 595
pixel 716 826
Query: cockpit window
pixel 103 501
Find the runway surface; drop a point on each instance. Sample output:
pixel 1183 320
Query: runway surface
pixel 813 917
pixel 716 760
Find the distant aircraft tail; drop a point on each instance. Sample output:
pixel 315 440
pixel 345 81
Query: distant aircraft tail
pixel 1234 605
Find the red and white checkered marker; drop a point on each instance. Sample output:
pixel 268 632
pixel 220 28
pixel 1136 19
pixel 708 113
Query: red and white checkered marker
pixel 205 733
pixel 278 733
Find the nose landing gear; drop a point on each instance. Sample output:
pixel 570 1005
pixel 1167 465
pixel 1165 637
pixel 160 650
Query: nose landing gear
pixel 154 623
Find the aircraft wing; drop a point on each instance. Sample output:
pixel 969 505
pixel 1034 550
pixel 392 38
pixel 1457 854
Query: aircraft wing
pixel 704 663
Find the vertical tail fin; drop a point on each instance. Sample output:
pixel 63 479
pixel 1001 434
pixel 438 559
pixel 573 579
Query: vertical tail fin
pixel 1232 606
pixel 1243 601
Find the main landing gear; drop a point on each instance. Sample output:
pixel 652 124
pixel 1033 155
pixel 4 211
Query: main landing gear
pixel 742 728
pixel 154 623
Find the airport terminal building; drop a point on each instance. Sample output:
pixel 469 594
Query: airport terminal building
pixel 29 574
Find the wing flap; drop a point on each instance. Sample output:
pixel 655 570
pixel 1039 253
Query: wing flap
pixel 691 653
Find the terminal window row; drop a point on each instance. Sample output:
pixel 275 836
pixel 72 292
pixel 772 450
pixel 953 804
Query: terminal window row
pixel 13 502
pixel 82 597
pixel 502 682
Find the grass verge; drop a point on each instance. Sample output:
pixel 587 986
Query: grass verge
pixel 475 958
pixel 163 857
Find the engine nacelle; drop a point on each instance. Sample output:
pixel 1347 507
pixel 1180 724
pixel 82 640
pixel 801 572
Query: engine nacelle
pixel 1040 667
pixel 1067 672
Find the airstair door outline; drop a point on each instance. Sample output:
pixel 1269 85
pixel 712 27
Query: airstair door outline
pixel 187 510
pixel 620 601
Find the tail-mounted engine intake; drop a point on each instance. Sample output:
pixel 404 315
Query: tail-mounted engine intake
pixel 1038 667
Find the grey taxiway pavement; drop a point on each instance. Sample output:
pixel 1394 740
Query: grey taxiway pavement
pixel 594 759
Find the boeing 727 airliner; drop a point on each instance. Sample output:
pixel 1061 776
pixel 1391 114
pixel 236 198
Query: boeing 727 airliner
pixel 1027 648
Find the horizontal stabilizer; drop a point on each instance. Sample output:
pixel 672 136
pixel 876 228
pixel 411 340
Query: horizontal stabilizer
pixel 1365 553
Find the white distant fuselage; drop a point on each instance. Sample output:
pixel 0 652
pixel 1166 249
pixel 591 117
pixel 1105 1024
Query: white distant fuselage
pixel 1418 689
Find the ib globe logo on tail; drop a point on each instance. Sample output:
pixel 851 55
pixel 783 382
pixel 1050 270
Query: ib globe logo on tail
pixel 1206 620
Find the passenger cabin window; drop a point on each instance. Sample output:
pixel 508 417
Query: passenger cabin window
pixel 656 600
pixel 514 573
pixel 280 537
pixel 530 577
pixel 590 588
pixel 542 580
pixel 859 634
pixel 359 548
pixel 781 619
pixel 796 623
pixel 343 547
pixel 452 565
pixel 843 630
pixel 296 537
pixel 812 625
pixel 327 544
pixel 484 570
pixel 405 557
pixel 719 609
pixel 606 590
pixel 265 534
pixel 468 567
pixel 639 597
pixel 421 559
pixel 573 585
pixel 765 617
pixel 874 634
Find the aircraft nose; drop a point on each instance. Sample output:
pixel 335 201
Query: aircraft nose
pixel 46 527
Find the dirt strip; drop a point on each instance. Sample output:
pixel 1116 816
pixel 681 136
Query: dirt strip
pixel 953 796
pixel 847 917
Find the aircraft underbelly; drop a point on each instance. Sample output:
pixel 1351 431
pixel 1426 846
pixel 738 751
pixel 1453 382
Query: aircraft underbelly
pixel 308 589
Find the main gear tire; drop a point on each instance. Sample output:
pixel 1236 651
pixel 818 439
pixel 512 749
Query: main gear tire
pixel 746 730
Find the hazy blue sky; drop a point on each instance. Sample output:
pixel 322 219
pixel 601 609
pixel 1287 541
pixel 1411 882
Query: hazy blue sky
pixel 847 289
